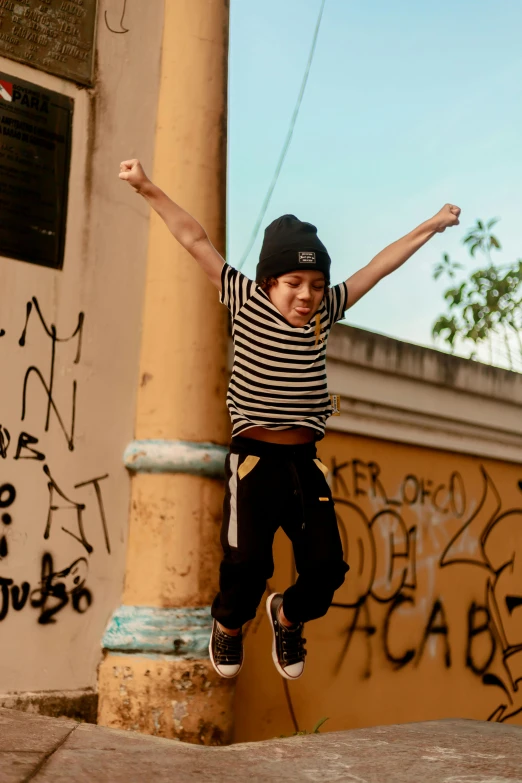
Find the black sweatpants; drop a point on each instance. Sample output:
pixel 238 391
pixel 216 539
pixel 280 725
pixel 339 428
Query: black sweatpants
pixel 270 486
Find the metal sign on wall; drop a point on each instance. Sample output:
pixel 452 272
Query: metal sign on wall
pixel 35 152
pixel 53 35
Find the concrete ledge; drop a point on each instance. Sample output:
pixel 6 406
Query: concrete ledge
pixel 354 346
pixel 449 751
pixel 410 394
pixel 79 705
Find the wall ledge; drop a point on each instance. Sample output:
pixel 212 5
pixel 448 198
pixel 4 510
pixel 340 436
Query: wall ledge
pixel 79 705
pixel 406 393
pixel 359 347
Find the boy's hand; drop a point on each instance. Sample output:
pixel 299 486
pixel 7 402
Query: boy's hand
pixel 448 216
pixel 132 172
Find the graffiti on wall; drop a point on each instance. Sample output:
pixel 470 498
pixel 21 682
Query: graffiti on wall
pixel 402 546
pixel 67 508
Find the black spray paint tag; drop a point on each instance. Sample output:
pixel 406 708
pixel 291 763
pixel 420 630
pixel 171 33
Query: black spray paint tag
pixel 306 257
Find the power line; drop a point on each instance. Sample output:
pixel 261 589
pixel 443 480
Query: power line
pixel 286 144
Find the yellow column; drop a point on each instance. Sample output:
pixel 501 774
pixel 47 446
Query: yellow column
pixel 156 676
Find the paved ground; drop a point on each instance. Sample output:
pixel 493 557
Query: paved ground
pixel 45 750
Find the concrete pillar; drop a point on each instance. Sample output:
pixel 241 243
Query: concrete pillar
pixel 156 676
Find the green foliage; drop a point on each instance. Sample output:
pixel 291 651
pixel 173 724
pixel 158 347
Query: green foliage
pixel 318 725
pixel 315 730
pixel 446 266
pixel 480 237
pixel 486 303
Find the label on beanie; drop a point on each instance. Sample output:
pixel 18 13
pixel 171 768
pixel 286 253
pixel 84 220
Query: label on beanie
pixel 306 257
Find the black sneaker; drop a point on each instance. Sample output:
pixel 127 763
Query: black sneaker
pixel 288 651
pixel 226 652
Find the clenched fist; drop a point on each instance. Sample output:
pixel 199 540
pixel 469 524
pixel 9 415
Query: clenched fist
pixel 448 216
pixel 132 172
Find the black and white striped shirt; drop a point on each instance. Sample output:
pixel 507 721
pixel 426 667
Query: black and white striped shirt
pixel 279 373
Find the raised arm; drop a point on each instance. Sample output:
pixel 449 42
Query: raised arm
pixel 183 227
pixel 394 256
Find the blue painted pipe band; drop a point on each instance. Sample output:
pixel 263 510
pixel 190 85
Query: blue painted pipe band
pixel 175 456
pixel 181 633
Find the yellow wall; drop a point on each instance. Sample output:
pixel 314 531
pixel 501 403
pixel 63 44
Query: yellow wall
pixel 429 621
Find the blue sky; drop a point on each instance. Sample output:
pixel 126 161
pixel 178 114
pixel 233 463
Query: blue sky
pixel 409 105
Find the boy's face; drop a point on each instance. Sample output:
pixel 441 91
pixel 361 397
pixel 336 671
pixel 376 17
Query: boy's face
pixel 298 295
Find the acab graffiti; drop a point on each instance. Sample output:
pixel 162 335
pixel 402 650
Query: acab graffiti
pixel 433 527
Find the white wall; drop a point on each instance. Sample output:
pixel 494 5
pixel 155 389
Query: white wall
pixel 103 278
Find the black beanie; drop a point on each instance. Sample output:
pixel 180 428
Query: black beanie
pixel 291 245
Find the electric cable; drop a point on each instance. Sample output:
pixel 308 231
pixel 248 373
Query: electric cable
pixel 286 145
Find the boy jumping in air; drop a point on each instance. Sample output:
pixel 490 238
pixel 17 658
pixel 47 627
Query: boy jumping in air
pixel 278 403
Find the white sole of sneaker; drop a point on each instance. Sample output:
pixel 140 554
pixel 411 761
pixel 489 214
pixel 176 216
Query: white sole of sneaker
pixel 225 676
pixel 274 644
